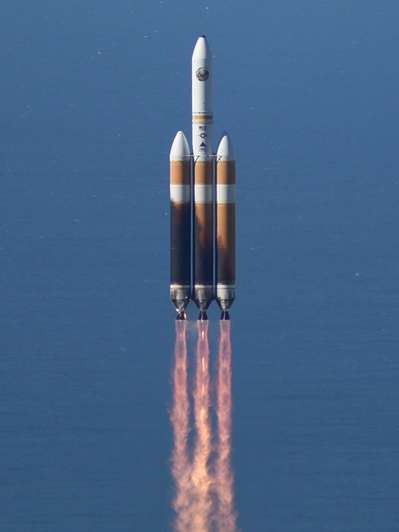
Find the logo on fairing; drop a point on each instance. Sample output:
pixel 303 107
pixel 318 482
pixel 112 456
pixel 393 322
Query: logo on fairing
pixel 202 74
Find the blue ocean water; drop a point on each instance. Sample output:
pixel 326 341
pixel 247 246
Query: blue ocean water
pixel 92 94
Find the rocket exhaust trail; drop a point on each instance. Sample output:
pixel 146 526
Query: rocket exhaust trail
pixel 201 466
pixel 201 478
pixel 225 516
pixel 179 417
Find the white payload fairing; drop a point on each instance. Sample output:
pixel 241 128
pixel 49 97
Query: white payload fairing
pixel 202 183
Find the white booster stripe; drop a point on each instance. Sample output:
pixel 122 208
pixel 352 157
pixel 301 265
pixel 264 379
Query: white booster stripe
pixel 180 193
pixel 180 287
pixel 203 193
pixel 225 193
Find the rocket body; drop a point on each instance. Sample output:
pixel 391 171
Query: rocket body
pixel 180 223
pixel 225 224
pixel 196 271
pixel 202 124
pixel 202 100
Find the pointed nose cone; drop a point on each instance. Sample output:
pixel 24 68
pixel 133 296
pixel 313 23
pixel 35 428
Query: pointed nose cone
pixel 180 148
pixel 225 151
pixel 202 50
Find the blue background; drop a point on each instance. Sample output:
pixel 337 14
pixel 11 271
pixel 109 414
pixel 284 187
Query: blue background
pixel 91 96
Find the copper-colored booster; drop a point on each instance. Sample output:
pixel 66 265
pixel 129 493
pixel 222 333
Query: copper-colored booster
pixel 225 226
pixel 203 233
pixel 180 224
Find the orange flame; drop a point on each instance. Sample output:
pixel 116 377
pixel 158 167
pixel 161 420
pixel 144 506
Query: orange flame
pixel 204 491
pixel 225 516
pixel 179 416
pixel 201 478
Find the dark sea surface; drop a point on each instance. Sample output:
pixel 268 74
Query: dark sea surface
pixel 91 96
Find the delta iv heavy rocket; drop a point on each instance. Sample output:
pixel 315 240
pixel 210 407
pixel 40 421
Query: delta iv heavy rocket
pixel 202 204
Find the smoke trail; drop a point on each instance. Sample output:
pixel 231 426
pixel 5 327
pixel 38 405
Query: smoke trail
pixel 179 416
pixel 202 474
pixel 202 482
pixel 225 516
